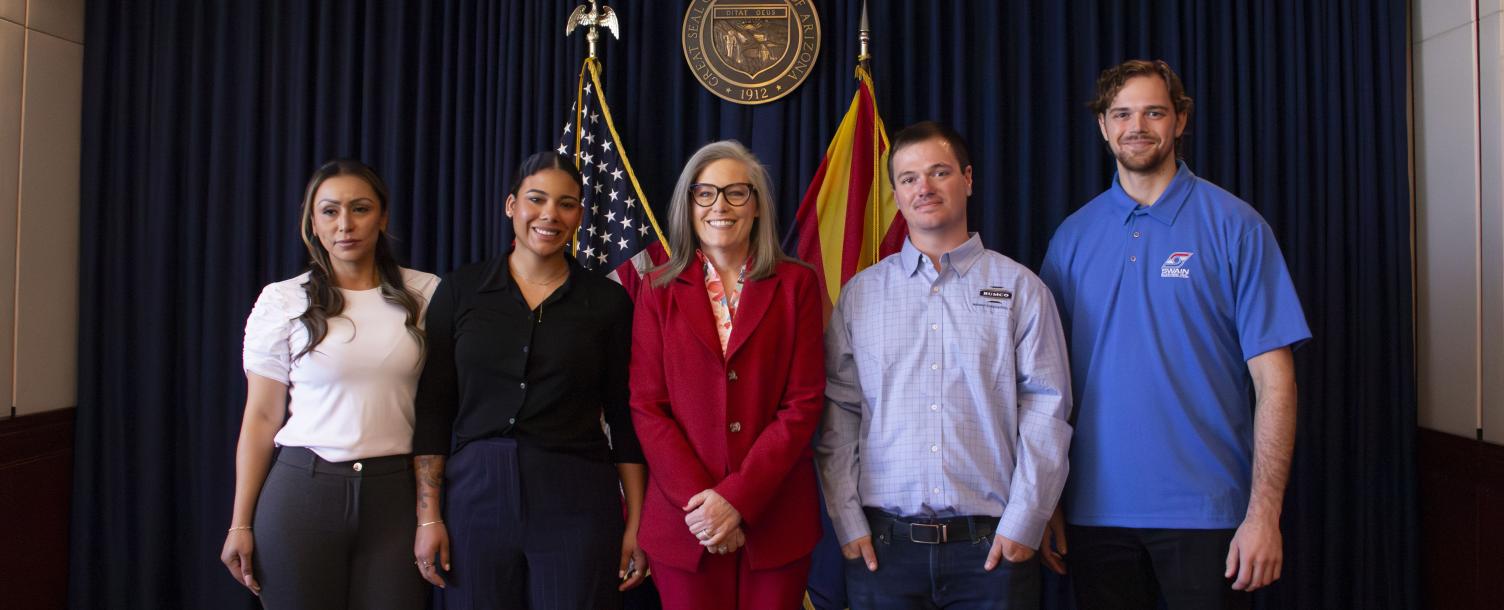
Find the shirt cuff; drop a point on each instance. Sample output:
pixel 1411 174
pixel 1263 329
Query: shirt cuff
pixel 1021 525
pixel 850 523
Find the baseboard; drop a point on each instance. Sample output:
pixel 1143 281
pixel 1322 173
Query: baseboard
pixel 36 485
pixel 1461 486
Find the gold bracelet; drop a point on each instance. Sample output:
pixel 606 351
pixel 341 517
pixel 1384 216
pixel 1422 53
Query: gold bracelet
pixel 243 527
pixel 437 522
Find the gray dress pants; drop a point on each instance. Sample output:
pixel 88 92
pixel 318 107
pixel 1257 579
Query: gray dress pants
pixel 337 535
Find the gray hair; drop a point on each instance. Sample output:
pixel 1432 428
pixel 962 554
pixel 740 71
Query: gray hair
pixel 765 251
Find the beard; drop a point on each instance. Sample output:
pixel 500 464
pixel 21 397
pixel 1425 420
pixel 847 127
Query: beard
pixel 1147 162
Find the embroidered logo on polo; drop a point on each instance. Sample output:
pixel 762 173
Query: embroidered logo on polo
pixel 1175 266
pixel 995 294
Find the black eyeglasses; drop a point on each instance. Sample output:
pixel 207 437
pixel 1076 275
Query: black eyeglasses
pixel 737 193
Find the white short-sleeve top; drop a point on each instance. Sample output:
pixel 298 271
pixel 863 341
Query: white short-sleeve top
pixel 351 397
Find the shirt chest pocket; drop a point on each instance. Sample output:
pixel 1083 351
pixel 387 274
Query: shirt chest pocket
pixel 984 338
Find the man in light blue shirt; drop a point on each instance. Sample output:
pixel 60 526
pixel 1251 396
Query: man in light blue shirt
pixel 1179 308
pixel 943 450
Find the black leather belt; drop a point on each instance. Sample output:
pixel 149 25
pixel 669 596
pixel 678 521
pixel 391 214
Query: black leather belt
pixel 922 530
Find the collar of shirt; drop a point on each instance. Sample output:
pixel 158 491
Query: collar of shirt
pixel 499 277
pixel 724 298
pixel 1166 208
pixel 710 273
pixel 962 258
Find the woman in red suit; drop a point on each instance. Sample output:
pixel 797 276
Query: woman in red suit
pixel 728 379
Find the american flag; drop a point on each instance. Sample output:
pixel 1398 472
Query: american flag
pixel 618 236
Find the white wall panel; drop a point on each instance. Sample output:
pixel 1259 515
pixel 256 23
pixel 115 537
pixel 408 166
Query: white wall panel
pixel 12 41
pixel 1436 17
pixel 61 18
pixel 13 11
pixel 1447 221
pixel 47 283
pixel 1491 128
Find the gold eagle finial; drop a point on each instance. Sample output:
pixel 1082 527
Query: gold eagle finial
pixel 596 17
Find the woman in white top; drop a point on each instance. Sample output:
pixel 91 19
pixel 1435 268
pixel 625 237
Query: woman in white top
pixel 332 359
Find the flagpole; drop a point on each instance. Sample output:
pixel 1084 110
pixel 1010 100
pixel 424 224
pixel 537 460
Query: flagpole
pixel 864 72
pixel 864 36
pixel 591 20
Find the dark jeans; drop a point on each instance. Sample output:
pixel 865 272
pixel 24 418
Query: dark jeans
pixel 329 536
pixel 1119 568
pixel 913 576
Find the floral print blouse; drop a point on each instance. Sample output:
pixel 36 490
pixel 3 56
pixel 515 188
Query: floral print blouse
pixel 723 302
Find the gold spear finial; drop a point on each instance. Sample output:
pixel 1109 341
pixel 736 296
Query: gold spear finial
pixel 591 20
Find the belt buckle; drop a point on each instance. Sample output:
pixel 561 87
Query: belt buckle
pixel 939 530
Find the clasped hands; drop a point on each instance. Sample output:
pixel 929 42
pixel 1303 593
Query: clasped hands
pixel 715 522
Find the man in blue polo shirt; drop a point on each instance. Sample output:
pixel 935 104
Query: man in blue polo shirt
pixel 1178 308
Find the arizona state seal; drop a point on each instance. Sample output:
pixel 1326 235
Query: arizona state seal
pixel 751 51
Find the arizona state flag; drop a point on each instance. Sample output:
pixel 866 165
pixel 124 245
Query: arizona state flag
pixel 846 222
pixel 847 219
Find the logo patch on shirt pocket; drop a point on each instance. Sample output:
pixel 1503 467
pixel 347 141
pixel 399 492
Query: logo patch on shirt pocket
pixel 994 296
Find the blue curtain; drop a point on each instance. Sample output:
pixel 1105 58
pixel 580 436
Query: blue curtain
pixel 202 120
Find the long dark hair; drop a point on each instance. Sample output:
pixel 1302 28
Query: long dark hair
pixel 324 301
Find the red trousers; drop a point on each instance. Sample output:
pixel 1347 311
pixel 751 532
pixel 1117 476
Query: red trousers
pixel 728 582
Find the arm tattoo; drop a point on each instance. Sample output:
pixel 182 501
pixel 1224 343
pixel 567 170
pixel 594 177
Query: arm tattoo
pixel 430 473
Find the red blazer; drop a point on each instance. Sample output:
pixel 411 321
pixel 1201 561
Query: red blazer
pixel 740 424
